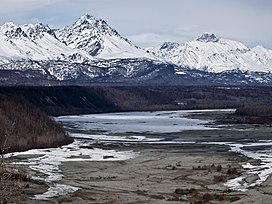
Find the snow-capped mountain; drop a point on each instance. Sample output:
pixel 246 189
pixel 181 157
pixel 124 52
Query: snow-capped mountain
pixel 34 42
pixel 211 53
pixel 97 38
pixel 90 51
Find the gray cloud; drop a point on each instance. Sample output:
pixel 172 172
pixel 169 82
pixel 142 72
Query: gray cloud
pixel 150 22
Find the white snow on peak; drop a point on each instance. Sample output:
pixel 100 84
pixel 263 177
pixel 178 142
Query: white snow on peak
pixel 98 25
pixel 97 38
pixel 208 37
pixel 34 42
pixel 87 39
pixel 169 45
pixel 38 30
pixel 90 39
pixel 7 26
pixel 211 53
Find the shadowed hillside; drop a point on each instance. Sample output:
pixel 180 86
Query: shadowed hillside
pixel 63 100
pixel 23 126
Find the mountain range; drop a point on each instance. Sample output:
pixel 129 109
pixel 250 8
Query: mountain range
pixel 91 52
pixel 213 54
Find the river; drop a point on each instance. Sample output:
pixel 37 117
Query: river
pixel 134 128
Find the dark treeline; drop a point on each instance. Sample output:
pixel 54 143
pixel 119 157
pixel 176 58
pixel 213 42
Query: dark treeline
pixel 76 100
pixel 23 126
pixel 64 100
pixel 261 110
pixel 257 113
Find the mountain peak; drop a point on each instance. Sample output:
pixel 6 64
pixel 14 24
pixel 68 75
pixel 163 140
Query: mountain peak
pixel 37 30
pixel 7 26
pixel 12 31
pixel 37 27
pixel 91 22
pixel 89 34
pixel 208 37
pixel 88 17
pixel 169 45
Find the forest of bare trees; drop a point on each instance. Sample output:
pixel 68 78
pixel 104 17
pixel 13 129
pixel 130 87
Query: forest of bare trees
pixel 23 126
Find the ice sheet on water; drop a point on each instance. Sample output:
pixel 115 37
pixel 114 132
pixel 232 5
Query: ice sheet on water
pixel 159 121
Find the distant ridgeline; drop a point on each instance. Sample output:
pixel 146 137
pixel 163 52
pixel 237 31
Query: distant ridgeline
pixel 23 126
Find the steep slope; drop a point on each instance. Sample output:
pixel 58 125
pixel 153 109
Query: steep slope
pixel 211 53
pixel 34 42
pixel 261 56
pixel 97 38
pixel 35 130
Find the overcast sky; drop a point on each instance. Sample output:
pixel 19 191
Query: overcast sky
pixel 151 22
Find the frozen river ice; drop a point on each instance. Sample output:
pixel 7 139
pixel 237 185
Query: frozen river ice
pixel 137 122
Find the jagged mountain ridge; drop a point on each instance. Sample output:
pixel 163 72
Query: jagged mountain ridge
pixel 211 53
pixel 97 38
pixel 34 42
pixel 87 39
pixel 90 51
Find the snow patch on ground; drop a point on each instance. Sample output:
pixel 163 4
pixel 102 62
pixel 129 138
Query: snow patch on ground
pixel 48 161
pixel 262 171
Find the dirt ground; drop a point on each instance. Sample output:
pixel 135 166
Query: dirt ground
pixel 160 174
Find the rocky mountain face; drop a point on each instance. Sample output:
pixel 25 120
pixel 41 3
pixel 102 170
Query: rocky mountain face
pixel 91 52
pixel 98 39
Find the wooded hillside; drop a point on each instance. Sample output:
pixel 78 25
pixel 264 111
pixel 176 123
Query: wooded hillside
pixel 23 126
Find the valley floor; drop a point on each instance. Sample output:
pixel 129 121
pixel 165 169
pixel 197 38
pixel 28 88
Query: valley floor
pixel 161 173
